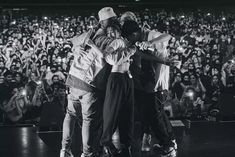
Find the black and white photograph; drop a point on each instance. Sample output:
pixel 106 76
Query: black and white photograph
pixel 127 78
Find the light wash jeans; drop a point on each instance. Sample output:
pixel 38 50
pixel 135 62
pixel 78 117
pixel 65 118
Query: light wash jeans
pixel 87 108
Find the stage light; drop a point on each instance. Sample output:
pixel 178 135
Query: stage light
pixel 190 94
pixel 24 134
pixel 39 82
pixel 182 16
pixel 48 69
pixel 223 18
pixel 208 14
pixel 121 6
pixel 56 26
pixel 23 92
pixel 13 22
pixel 59 60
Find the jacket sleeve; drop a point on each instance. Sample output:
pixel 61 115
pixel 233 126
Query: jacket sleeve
pixel 117 52
pixel 160 42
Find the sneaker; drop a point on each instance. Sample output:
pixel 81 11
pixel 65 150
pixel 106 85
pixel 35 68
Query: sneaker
pixel 116 140
pixel 169 152
pixel 66 153
pixel 110 150
pixel 115 136
pixel 160 147
pixel 175 144
pixel 146 143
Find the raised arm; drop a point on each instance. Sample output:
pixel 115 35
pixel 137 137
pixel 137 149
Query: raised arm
pixel 117 52
pixel 151 57
pixel 162 38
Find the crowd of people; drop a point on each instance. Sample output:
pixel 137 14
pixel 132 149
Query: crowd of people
pixel 101 71
pixel 37 51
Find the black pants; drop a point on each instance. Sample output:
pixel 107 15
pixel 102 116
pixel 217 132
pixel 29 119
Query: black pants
pixel 140 102
pixel 118 109
pixel 154 117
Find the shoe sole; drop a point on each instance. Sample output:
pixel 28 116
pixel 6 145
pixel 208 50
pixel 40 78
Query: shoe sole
pixel 173 153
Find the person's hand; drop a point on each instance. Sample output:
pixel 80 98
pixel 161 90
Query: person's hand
pixel 145 45
pixel 132 50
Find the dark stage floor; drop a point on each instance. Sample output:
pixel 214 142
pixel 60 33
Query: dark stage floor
pixel 204 139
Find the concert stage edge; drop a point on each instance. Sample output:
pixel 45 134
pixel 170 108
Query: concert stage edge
pixel 194 138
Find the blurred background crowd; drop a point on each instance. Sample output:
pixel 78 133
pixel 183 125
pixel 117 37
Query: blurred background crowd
pixel 36 54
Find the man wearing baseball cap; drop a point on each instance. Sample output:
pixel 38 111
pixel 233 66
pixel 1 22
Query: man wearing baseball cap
pixel 87 89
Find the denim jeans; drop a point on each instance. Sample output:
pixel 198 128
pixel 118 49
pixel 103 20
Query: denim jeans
pixel 87 108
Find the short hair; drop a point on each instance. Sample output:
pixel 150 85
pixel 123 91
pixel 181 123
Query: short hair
pixel 129 27
pixel 185 74
pixel 178 72
pixel 59 85
pixel 193 74
pixel 55 76
pixel 115 25
pixel 128 16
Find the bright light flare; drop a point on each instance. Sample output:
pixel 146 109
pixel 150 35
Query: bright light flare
pixel 23 92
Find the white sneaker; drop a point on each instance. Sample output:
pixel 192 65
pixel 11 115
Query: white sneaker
pixel 175 144
pixel 116 140
pixel 146 143
pixel 173 153
pixel 116 136
pixel 66 153
pixel 158 146
pixel 170 152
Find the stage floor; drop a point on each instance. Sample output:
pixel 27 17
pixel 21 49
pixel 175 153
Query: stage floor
pixel 203 139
